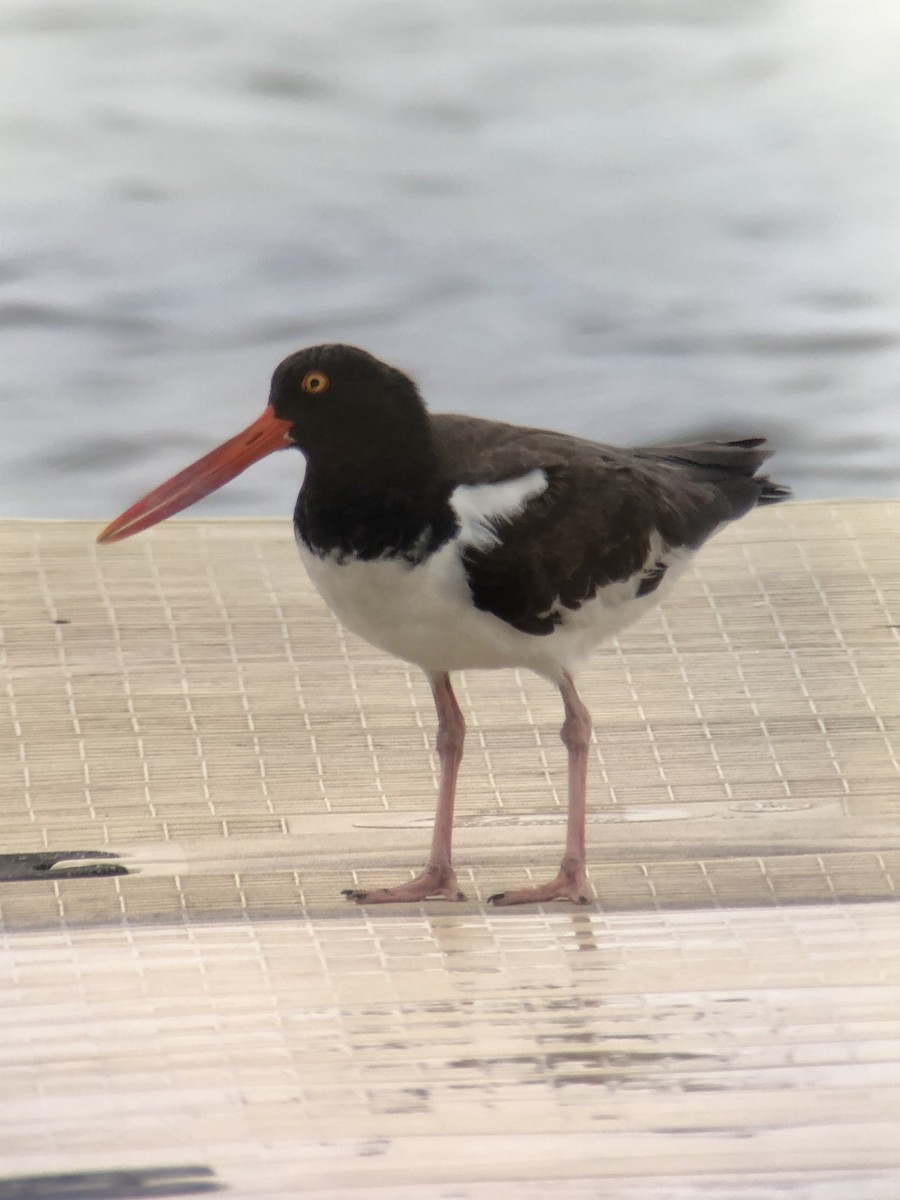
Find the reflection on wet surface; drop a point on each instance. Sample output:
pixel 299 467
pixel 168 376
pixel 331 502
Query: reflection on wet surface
pixel 642 1045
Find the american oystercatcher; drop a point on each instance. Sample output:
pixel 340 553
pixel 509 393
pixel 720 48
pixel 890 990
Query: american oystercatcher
pixel 457 543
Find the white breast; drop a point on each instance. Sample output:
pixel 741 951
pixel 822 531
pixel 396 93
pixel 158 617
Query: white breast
pixel 424 613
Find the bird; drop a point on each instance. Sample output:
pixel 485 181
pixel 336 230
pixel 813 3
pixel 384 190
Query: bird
pixel 460 543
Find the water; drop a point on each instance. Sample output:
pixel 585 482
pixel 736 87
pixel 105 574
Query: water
pixel 632 219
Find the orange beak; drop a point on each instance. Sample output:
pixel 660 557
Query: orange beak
pixel 266 435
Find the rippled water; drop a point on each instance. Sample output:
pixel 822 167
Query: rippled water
pixel 632 219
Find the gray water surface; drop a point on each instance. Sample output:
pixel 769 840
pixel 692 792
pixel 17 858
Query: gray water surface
pixel 631 219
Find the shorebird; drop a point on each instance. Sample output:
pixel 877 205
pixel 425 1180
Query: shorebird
pixel 458 543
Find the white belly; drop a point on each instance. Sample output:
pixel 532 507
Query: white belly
pixel 424 614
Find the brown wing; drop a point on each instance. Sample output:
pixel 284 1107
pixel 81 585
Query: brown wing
pixel 594 523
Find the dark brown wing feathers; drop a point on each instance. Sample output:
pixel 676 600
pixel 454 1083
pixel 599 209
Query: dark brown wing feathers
pixel 594 524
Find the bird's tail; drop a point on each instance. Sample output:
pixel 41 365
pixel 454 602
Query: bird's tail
pixel 718 462
pixel 730 465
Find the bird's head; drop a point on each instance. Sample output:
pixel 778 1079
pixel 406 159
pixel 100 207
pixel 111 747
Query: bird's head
pixel 334 402
pixel 339 399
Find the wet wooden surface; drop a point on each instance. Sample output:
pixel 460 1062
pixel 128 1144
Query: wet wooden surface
pixel 195 759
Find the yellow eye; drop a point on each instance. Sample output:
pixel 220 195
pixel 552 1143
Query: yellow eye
pixel 314 382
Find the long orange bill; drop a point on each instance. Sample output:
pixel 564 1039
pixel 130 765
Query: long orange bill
pixel 264 436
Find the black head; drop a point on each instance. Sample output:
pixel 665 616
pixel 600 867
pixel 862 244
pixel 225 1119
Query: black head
pixel 339 397
pixel 355 419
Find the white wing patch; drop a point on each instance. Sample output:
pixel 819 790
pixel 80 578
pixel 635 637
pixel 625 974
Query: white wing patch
pixel 480 507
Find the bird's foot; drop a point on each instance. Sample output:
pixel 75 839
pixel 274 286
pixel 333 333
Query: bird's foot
pixel 570 884
pixel 433 881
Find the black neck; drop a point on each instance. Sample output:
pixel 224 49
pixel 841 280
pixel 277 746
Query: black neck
pixel 401 514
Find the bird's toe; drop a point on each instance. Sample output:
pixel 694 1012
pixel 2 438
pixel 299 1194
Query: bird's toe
pixel 570 884
pixel 432 883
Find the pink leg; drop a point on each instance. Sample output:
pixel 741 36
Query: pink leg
pixel 571 881
pixel 438 878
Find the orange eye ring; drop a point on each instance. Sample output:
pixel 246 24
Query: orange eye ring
pixel 315 382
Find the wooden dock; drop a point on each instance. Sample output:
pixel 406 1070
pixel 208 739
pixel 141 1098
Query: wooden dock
pixel 195 759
